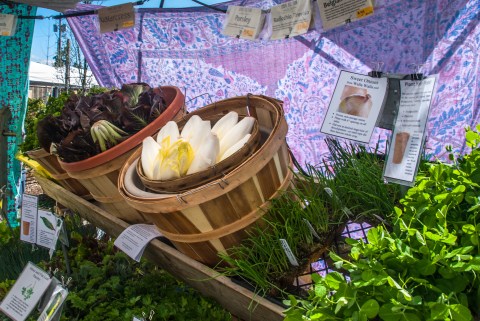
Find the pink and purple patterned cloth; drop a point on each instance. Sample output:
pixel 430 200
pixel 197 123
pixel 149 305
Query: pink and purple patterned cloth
pixel 185 48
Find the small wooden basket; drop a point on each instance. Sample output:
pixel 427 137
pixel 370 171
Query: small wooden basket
pixel 194 180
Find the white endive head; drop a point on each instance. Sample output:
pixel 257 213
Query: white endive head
pixel 176 160
pixel 170 129
pixel 200 132
pixel 235 147
pixel 150 156
pixel 224 124
pixel 189 129
pixel 206 154
pixel 235 134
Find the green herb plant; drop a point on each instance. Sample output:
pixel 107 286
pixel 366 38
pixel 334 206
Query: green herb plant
pixel 426 268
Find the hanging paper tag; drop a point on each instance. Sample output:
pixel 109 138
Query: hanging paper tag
pixel 335 13
pixel 409 131
pixel 355 107
pixel 54 305
pixel 8 24
pixel 48 228
pixel 25 293
pixel 288 252
pixel 312 230
pixel 290 19
pixel 243 22
pixel 116 17
pixel 28 228
pixel 135 238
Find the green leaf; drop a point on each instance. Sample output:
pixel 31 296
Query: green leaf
pixel 438 311
pixel 47 223
pixel 387 314
pixel 460 313
pixel 320 291
pixel 334 279
pixel 370 308
pixel 468 229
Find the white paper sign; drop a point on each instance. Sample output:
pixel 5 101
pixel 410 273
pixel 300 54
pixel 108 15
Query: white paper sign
pixel 25 293
pixel 28 228
pixel 290 19
pixel 135 238
pixel 8 24
pixel 288 252
pixel 335 13
pixel 243 22
pixel 116 17
pixel 409 131
pixel 355 106
pixel 48 227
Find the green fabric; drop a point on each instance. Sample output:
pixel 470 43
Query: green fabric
pixel 14 64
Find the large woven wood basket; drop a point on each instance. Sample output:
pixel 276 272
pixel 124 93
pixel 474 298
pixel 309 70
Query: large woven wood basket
pixel 215 216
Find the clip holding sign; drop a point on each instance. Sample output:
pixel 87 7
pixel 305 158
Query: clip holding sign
pixel 376 71
pixel 416 75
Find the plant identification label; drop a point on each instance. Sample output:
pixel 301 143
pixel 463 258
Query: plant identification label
pixel 48 228
pixel 409 131
pixel 243 22
pixel 135 238
pixel 25 293
pixel 290 19
pixel 312 230
pixel 8 24
pixel 116 17
pixel 288 251
pixel 355 106
pixel 335 13
pixel 28 227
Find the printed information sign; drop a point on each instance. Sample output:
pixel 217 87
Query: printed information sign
pixel 290 19
pixel 335 13
pixel 116 17
pixel 8 24
pixel 243 22
pixel 28 227
pixel 135 238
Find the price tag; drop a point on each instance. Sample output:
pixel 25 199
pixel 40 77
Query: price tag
pixel 290 19
pixel 116 17
pixel 135 238
pixel 288 251
pixel 25 293
pixel 8 23
pixel 243 22
pixel 364 12
pixel 28 228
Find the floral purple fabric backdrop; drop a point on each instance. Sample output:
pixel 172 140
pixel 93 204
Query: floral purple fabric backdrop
pixel 185 48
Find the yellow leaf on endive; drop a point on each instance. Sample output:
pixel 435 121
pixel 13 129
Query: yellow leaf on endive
pixel 201 132
pixel 206 154
pixel 150 155
pixel 224 124
pixel 170 129
pixel 176 160
pixel 235 147
pixel 235 134
pixel 189 129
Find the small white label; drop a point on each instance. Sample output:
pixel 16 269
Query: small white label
pixel 138 319
pixel 288 252
pixel 116 17
pixel 135 238
pixel 8 23
pixel 290 19
pixel 28 228
pixel 25 293
pixel 312 230
pixel 243 22
pixel 339 12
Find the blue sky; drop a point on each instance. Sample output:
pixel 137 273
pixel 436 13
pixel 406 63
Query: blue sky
pixel 45 40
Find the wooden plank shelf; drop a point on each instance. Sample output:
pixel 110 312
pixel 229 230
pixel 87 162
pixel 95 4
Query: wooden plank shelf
pixel 240 301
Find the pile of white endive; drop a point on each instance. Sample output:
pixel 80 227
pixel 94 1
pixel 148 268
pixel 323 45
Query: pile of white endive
pixel 196 148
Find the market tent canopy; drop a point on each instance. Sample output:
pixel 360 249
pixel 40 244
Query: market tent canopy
pixel 185 47
pixel 45 74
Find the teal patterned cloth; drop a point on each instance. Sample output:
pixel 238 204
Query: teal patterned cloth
pixel 14 64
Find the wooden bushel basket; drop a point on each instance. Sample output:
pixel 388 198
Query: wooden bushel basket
pixel 51 164
pixel 99 174
pixel 215 216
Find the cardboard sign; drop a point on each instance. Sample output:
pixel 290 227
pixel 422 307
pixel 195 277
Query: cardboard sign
pixel 8 24
pixel 25 293
pixel 290 19
pixel 135 238
pixel 243 22
pixel 28 227
pixel 335 13
pixel 409 132
pixel 116 17
pixel 355 106
pixel 56 5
